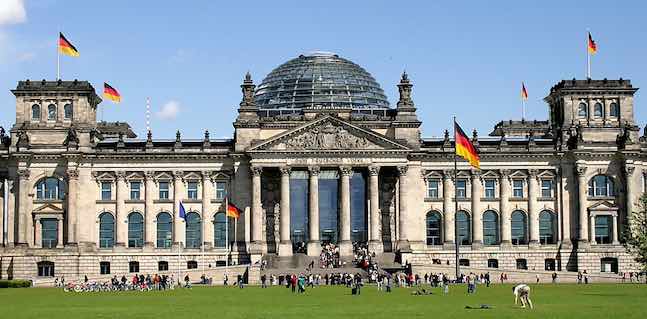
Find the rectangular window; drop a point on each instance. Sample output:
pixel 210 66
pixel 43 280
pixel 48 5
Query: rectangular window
pixel 221 190
pixel 106 190
pixel 49 232
pixel 517 188
pixel 164 190
pixel 461 188
pixel 133 266
pixel 192 190
pixel 547 188
pixel 432 188
pixel 135 190
pixel 104 268
pixel 490 188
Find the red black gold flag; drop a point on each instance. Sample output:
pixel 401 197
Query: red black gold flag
pixel 110 93
pixel 593 47
pixel 66 47
pixel 465 148
pixel 233 211
pixel 524 92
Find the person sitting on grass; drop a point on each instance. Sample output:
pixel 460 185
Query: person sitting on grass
pixel 522 292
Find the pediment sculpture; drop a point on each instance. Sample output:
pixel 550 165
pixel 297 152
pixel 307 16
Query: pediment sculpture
pixel 327 137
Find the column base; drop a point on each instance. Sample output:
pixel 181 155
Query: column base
pixel 285 248
pixel 376 246
pixel 404 246
pixel 583 244
pixel 314 248
pixel 449 245
pixel 506 244
pixel 345 248
pixel 477 244
pixel 256 247
pixel 533 244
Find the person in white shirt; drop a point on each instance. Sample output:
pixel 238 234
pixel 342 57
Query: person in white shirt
pixel 522 292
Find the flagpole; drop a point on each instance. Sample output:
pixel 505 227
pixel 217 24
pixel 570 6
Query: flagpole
pixel 227 233
pixel 456 239
pixel 58 58
pixel 523 108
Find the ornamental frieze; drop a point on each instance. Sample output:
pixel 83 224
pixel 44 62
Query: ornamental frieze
pixel 326 137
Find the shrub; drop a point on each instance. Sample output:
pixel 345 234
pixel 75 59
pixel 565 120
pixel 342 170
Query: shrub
pixel 15 283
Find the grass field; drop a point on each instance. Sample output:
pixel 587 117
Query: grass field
pixel 551 301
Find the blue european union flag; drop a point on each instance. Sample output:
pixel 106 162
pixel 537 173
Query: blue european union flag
pixel 182 212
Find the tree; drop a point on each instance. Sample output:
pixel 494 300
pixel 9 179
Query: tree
pixel 635 236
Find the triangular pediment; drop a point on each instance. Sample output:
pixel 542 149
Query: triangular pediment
pixel 48 209
pixel 603 206
pixel 328 134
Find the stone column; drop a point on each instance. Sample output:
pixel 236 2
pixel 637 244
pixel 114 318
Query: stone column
pixel 150 228
pixel 345 245
pixel 563 209
pixel 314 246
pixel 449 207
pixel 257 211
pixel 615 230
pixel 629 173
pixel 403 238
pixel 179 227
pixel 23 213
pixel 582 194
pixel 73 225
pixel 285 245
pixel 207 237
pixel 477 215
pixel 120 223
pixel 504 207
pixel 533 213
pixel 2 210
pixel 11 213
pixel 38 236
pixel 375 241
pixel 59 233
pixel 591 226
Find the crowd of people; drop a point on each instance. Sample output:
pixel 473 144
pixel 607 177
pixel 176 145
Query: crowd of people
pixel 139 282
pixel 329 257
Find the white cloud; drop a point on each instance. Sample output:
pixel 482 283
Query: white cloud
pixel 169 110
pixel 12 12
pixel 26 56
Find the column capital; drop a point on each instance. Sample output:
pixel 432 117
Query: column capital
pixel 314 170
pixel 504 173
pixel 448 174
pixel 149 175
pixel 285 170
pixel 629 170
pixel 24 173
pixel 120 175
pixel 580 170
pixel 373 170
pixel 206 175
pixel 402 170
pixel 72 174
pixel 475 174
pixel 256 170
pixel 346 170
pixel 178 175
pixel 532 173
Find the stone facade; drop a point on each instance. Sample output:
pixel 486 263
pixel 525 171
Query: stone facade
pixel 555 194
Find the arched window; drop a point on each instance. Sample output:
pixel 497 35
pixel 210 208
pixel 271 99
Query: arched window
pixel 51 112
pixel 135 230
pixel 582 110
pixel 434 221
pixel 35 112
pixel 164 230
pixel 50 188
pixel 614 109
pixel 601 186
pixel 547 226
pixel 220 225
pixel 106 230
pixel 490 228
pixel 598 110
pixel 519 228
pixel 464 228
pixel 68 111
pixel 193 230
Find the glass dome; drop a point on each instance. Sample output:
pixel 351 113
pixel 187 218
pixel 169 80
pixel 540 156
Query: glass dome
pixel 319 79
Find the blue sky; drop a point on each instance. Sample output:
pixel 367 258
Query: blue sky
pixel 465 58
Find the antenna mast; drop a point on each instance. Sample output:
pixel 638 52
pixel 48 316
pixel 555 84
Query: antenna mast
pixel 148 114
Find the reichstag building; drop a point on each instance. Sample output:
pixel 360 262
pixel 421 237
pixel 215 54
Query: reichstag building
pixel 318 155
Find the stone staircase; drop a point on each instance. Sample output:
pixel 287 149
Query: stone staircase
pixel 298 263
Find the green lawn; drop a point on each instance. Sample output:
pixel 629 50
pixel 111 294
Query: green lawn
pixel 551 301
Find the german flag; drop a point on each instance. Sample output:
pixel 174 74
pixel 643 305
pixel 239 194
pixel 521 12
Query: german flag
pixel 524 92
pixel 593 48
pixel 66 47
pixel 233 211
pixel 465 148
pixel 110 93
